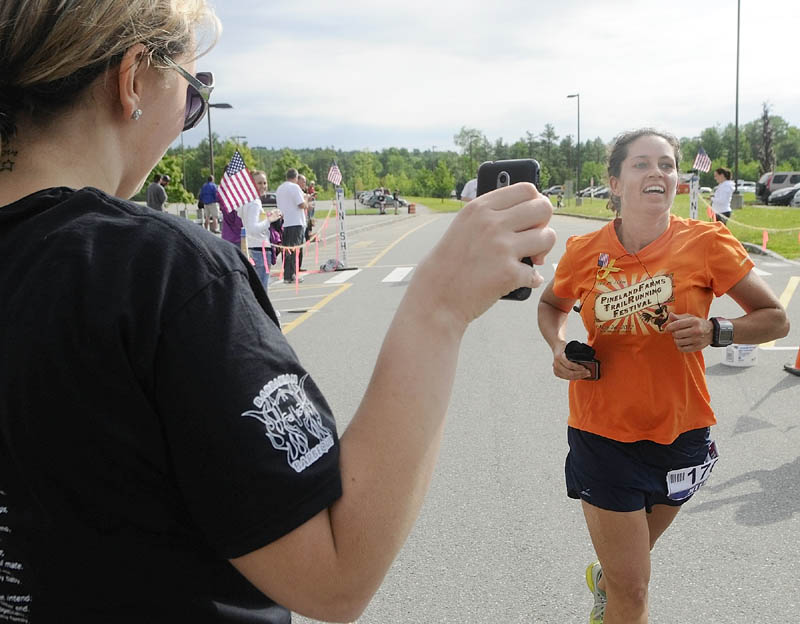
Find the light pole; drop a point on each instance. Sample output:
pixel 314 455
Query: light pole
pixel 578 179
pixel 183 162
pixel 738 201
pixel 210 139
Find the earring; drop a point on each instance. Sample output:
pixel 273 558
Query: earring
pixel 136 114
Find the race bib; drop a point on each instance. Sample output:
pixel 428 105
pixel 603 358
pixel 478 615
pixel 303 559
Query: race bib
pixel 684 482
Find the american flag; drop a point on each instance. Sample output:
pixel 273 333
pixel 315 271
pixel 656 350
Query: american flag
pixel 334 174
pixel 236 187
pixel 702 162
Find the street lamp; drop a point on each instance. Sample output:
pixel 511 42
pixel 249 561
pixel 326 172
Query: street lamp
pixel 578 180
pixel 738 201
pixel 211 140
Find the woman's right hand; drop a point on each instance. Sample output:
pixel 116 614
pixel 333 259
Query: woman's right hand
pixel 477 261
pixel 567 369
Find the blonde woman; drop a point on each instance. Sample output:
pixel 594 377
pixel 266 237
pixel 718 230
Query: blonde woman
pixel 129 491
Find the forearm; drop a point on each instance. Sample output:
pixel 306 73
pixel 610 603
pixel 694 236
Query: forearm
pixel 760 325
pixel 552 325
pixel 389 450
pixel 253 226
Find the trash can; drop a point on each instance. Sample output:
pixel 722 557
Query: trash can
pixel 412 209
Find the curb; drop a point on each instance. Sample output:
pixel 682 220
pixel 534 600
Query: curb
pixel 753 248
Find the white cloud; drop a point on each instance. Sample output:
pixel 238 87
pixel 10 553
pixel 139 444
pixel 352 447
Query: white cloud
pixel 355 74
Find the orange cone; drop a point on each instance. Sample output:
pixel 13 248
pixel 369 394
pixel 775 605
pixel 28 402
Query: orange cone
pixel 796 369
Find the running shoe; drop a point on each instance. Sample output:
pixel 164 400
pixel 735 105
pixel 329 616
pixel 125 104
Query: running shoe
pixel 593 574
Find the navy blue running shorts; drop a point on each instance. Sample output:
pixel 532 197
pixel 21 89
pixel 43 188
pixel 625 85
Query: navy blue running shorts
pixel 628 476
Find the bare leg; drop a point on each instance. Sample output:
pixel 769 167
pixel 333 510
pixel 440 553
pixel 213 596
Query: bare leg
pixel 659 519
pixel 622 543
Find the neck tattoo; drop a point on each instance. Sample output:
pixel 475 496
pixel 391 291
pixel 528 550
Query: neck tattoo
pixel 8 158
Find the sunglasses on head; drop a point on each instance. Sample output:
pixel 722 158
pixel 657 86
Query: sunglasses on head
pixel 197 94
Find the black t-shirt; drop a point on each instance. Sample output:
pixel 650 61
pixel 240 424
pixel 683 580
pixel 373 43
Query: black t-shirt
pixel 154 422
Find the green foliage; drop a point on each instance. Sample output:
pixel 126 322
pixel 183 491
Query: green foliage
pixel 413 171
pixel 442 181
pixel 288 160
pixel 171 166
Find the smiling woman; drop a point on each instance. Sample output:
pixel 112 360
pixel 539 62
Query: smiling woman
pixel 644 285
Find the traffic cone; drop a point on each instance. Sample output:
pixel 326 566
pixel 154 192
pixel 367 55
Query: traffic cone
pixel 796 369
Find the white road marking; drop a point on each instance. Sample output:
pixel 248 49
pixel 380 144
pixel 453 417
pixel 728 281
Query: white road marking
pixel 761 272
pixel 398 274
pixel 342 276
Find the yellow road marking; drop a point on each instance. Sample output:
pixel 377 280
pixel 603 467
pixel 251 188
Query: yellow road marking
pixel 288 327
pixel 317 306
pixel 786 297
pixel 374 261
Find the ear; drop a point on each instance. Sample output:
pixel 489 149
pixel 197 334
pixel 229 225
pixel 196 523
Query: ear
pixel 613 184
pixel 130 79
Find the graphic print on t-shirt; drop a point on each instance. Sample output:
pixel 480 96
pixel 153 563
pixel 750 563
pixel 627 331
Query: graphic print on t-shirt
pixel 635 307
pixel 291 421
pixel 14 600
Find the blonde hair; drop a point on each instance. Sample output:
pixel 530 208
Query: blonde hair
pixel 52 50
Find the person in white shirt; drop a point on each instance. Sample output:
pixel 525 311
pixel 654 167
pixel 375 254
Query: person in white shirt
pixel 257 228
pixel 292 204
pixel 470 190
pixel 721 201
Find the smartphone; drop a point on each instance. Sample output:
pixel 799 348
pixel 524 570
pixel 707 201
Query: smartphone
pixel 592 365
pixel 499 173
pixel 584 355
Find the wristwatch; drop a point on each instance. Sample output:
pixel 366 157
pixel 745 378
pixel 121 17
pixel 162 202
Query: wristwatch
pixel 723 332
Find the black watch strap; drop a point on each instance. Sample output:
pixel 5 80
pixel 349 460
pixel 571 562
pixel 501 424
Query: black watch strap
pixel 723 332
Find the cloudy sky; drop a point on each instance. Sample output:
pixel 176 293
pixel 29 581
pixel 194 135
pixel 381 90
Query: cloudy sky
pixel 371 74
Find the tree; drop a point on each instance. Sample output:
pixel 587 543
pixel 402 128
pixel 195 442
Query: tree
pixel 442 181
pixel 367 168
pixel 288 160
pixel 767 155
pixel 475 149
pixel 549 138
pixel 172 166
pixel 711 140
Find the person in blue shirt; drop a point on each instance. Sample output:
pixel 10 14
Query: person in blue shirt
pixel 208 195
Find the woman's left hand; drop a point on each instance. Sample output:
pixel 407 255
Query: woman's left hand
pixel 690 333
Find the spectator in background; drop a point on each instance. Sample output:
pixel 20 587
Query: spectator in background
pixel 231 225
pixel 156 195
pixel 208 195
pixel 721 200
pixel 292 205
pixel 257 229
pixel 470 190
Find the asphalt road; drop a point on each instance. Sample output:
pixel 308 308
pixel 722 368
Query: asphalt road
pixel 498 541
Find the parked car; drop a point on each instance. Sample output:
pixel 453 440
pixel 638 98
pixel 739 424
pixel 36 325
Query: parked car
pixel 271 200
pixel 747 187
pixel 705 190
pixel 795 201
pixel 773 181
pixel 376 203
pixel 783 196
pixel 602 192
pixel 590 191
pixel 553 190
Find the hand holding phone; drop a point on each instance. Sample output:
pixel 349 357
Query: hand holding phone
pixel 500 173
pixel 583 354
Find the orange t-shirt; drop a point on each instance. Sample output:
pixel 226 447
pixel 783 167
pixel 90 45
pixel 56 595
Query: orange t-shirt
pixel 648 390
